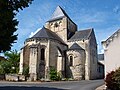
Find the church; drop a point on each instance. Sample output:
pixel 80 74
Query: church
pixel 60 45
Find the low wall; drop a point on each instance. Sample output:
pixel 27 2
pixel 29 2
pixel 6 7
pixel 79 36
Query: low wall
pixel 14 77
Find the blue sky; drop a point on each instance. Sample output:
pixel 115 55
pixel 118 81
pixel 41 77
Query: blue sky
pixel 102 15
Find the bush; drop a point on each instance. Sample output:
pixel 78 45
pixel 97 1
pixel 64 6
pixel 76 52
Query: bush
pixel 26 70
pixel 54 75
pixel 113 80
pixel 116 77
pixel 110 81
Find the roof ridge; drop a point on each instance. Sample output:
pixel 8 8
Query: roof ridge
pixel 112 34
pixel 91 30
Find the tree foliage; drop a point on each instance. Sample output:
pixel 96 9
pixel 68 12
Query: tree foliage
pixel 11 65
pixel 8 22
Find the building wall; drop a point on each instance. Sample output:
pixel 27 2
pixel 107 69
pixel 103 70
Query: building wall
pixel 84 45
pixel 77 70
pixel 112 54
pixel 90 47
pixel 59 27
pixel 93 56
pixel 57 56
pixel 54 57
pixel 100 70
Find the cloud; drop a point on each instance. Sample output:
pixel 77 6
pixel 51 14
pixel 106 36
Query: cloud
pixel 33 33
pixel 116 9
pixel 93 18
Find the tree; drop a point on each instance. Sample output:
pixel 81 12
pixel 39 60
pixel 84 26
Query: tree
pixel 8 22
pixel 11 65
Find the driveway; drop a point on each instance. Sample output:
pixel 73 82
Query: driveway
pixel 63 85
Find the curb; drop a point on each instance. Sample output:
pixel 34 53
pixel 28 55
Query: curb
pixel 103 87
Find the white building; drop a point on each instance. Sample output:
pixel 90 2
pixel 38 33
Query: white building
pixel 112 52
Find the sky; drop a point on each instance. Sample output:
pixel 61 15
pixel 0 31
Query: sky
pixel 102 15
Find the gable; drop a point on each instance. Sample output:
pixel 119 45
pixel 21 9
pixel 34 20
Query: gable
pixel 75 46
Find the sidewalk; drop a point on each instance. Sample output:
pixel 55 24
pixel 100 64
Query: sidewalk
pixel 101 87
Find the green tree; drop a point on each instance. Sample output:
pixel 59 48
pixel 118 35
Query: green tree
pixel 11 65
pixel 8 22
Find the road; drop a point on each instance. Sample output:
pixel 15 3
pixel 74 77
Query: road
pixel 63 85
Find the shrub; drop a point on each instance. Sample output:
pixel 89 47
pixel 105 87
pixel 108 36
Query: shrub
pixel 26 70
pixel 110 81
pixel 54 75
pixel 116 77
pixel 113 80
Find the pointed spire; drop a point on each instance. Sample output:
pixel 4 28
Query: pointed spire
pixel 58 13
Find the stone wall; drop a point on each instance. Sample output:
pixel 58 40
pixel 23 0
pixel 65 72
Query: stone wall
pixel 59 27
pixel 77 71
pixel 26 53
pixel 93 57
pixel 57 56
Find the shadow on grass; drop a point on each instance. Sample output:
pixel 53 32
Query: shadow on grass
pixel 27 88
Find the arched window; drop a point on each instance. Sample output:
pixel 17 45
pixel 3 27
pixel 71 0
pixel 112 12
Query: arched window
pixel 42 54
pixel 71 60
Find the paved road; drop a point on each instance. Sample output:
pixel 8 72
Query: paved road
pixel 66 85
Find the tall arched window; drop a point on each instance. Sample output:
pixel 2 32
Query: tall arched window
pixel 71 60
pixel 42 54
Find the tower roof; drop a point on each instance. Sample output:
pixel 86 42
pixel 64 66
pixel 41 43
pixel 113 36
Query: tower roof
pixel 58 13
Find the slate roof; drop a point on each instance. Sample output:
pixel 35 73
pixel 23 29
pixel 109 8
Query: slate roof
pixel 79 35
pixel 100 56
pixel 45 33
pixel 58 14
pixel 75 46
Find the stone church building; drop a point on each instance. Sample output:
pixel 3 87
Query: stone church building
pixel 61 46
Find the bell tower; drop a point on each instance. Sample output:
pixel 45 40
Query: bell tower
pixel 61 24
